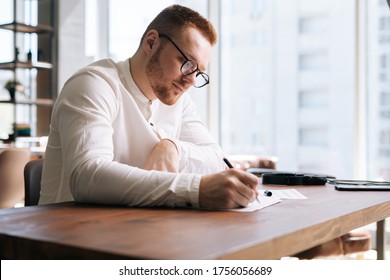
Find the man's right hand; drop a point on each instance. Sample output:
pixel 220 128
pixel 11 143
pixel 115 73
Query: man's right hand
pixel 232 188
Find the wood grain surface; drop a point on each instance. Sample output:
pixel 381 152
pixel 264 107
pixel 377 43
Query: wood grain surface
pixel 80 231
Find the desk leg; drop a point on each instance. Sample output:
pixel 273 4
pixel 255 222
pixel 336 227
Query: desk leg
pixel 380 239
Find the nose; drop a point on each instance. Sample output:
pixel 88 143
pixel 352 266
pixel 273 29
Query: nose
pixel 190 79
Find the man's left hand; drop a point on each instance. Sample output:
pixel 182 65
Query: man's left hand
pixel 164 157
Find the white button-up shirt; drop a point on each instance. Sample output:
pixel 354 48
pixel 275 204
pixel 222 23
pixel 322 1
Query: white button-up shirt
pixel 102 132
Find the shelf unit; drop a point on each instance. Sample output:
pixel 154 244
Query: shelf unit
pixel 33 28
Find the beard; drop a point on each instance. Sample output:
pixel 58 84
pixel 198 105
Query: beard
pixel 155 74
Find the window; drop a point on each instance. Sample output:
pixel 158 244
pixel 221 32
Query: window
pixel 293 95
pixel 288 75
pixel 313 24
pixel 378 89
pixel 313 98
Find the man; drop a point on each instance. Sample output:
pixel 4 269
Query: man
pixel 126 133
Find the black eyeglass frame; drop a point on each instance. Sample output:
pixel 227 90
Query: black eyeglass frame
pixel 202 74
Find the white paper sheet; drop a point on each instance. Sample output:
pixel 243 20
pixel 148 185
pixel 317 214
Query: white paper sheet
pixel 287 194
pixel 265 201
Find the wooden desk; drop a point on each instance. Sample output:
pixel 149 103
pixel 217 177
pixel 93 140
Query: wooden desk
pixel 75 231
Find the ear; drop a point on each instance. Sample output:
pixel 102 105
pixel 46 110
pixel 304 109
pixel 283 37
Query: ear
pixel 150 41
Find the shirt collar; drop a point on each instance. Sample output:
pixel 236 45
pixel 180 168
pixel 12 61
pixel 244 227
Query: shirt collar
pixel 133 88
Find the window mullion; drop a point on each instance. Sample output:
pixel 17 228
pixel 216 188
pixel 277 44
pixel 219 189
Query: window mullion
pixel 214 88
pixel 360 154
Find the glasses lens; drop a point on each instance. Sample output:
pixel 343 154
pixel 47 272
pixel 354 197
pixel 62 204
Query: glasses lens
pixel 202 79
pixel 189 67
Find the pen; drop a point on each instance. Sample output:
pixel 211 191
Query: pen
pixel 228 163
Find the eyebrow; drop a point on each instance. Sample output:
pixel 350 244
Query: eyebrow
pixel 200 67
pixel 188 57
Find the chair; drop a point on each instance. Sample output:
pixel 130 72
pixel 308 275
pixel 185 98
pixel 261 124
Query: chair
pixel 32 181
pixel 12 162
pixel 356 241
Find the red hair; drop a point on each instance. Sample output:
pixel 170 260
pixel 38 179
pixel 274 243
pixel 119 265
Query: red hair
pixel 175 19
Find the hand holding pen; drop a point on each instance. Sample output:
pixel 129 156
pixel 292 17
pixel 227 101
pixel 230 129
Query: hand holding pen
pixel 232 188
pixel 228 163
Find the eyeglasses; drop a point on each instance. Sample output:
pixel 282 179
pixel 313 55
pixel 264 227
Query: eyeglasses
pixel 189 67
